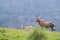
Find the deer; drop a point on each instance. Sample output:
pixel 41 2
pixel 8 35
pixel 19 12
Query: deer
pixel 44 23
pixel 26 28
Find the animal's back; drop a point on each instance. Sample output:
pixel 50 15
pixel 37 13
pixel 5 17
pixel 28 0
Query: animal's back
pixel 45 23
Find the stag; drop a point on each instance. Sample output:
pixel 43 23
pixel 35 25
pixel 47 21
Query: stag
pixel 44 23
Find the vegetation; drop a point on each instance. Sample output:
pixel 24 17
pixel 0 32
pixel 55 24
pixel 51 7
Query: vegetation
pixel 38 35
pixel 35 34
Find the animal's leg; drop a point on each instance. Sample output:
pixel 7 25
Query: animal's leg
pixel 47 27
pixel 42 27
pixel 52 28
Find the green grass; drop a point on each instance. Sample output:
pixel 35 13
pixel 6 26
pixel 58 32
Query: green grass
pixel 12 34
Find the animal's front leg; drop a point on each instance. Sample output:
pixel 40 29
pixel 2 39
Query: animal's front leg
pixel 42 27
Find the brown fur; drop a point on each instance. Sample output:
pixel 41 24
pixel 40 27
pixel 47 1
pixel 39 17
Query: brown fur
pixel 45 24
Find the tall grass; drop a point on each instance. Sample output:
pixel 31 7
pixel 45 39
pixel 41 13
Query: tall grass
pixel 38 35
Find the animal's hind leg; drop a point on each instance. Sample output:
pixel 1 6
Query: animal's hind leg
pixel 52 28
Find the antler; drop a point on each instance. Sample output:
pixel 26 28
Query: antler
pixel 37 15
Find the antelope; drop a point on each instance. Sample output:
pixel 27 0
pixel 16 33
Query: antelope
pixel 26 28
pixel 44 23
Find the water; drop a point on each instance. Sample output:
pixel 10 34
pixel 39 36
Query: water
pixel 13 13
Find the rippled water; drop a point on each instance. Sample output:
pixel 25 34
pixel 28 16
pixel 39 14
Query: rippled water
pixel 13 13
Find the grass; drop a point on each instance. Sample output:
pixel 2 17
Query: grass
pixel 36 34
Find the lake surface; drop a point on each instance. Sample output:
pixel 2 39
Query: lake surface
pixel 13 13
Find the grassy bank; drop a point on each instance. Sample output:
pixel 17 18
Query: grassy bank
pixel 12 34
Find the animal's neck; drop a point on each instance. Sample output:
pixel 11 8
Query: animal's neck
pixel 39 21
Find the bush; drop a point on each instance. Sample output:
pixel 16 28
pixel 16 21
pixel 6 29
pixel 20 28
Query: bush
pixel 38 35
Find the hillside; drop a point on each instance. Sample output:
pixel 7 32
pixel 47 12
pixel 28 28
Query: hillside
pixel 12 34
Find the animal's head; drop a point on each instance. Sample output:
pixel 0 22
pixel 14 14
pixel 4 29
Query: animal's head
pixel 37 18
pixel 22 26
